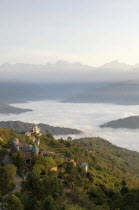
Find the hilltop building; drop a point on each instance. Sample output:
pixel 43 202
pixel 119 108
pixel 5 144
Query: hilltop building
pixel 84 166
pixel 28 151
pixel 34 132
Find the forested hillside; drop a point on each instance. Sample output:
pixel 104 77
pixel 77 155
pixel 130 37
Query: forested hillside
pixel 111 182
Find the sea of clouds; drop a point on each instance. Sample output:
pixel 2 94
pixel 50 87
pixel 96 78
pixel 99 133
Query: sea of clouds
pixel 86 117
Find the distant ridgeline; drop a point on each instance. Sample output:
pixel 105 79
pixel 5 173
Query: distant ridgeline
pixel 22 127
pixel 8 109
pixel 123 93
pixel 128 122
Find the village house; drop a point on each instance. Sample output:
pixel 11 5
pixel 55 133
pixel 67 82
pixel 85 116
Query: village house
pixel 35 134
pixel 84 166
pixel 53 168
pixel 69 161
pixel 29 151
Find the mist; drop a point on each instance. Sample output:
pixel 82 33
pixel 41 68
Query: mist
pixel 85 117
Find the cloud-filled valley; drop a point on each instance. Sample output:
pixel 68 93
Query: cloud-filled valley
pixel 86 117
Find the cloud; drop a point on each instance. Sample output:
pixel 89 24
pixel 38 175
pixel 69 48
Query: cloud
pixel 86 117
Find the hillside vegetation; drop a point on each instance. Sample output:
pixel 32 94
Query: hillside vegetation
pixel 111 183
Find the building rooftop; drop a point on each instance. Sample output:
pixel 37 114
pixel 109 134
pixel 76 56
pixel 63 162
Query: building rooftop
pixel 26 148
pixel 35 149
pixel 84 164
pixel 15 139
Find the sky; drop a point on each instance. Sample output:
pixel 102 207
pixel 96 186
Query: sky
pixel 91 32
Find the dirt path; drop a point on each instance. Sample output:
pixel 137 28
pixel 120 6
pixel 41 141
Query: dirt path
pixel 7 160
pixel 18 181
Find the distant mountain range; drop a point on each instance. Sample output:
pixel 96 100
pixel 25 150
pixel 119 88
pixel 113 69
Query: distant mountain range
pixel 116 65
pixel 128 122
pixel 63 72
pixel 15 92
pixel 21 127
pixel 124 93
pixel 68 82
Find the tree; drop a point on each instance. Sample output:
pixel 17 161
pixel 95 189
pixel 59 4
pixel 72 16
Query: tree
pixel 124 190
pixel 11 170
pixel 49 203
pixel 13 203
pixel 52 186
pixel 69 138
pixel 68 154
pixel 49 135
pixel 33 183
pixel 38 168
pixel 5 183
pixel 124 183
pixel 49 161
pixel 73 207
pixel 19 159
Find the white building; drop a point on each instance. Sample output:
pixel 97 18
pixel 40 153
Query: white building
pixel 84 166
pixel 35 129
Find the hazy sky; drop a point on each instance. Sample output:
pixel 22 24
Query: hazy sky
pixel 89 31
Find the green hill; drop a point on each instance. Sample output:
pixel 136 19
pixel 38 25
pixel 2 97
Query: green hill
pixel 22 127
pixel 112 180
